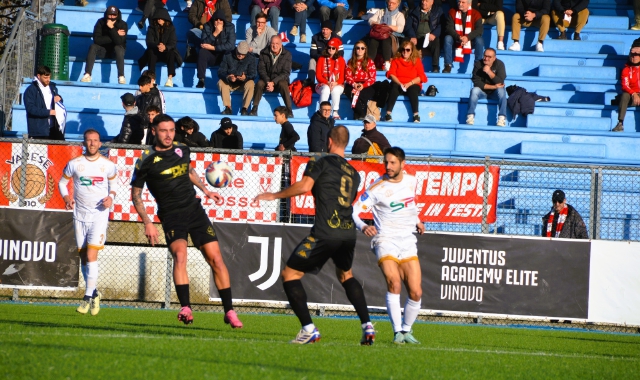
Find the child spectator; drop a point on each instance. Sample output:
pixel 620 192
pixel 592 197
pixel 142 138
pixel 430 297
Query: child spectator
pixel 188 133
pixel 288 135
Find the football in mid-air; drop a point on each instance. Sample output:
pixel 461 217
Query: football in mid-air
pixel 218 174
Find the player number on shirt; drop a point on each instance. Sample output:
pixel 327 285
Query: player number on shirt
pixel 346 185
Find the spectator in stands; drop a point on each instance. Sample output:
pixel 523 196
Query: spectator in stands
pixel 109 41
pixel 492 13
pixel 330 75
pixel 488 82
pixel 360 76
pixel 274 69
pixel 237 72
pixel 150 8
pixel 200 13
pixel 131 131
pixel 259 35
pixel 392 17
pixel 302 11
pixel 336 10
pixel 227 136
pixel 361 7
pixel 530 13
pixel 39 101
pixel 152 75
pixel 152 112
pixel 563 221
pixel 371 142
pixel 321 124
pixel 319 43
pixel 630 83
pixel 636 15
pixel 271 8
pixel 570 14
pixel 149 96
pixel 464 27
pixel 424 24
pixel 218 39
pixel 288 135
pixel 161 45
pixel 188 133
pixel 407 75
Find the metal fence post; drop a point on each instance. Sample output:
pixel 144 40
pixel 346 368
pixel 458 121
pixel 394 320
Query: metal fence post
pixel 594 202
pixel 23 169
pixel 485 197
pixel 16 296
pixel 168 281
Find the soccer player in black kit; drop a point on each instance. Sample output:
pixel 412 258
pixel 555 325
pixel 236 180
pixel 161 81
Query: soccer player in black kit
pixel 334 185
pixel 165 168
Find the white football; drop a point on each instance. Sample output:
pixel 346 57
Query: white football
pixel 218 174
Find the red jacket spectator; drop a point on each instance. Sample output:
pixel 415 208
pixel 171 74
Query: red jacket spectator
pixel 367 78
pixel 630 78
pixel 328 66
pixel 405 71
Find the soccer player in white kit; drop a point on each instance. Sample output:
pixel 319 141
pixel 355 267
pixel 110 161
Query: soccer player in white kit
pixel 94 188
pixel 395 214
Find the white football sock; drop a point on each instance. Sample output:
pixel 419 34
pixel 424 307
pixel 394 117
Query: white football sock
pixel 92 278
pixel 309 328
pixel 393 309
pixel 411 310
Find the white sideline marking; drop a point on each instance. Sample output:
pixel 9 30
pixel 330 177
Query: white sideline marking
pixel 440 349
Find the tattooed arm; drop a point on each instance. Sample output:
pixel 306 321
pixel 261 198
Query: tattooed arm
pixel 195 179
pixel 150 231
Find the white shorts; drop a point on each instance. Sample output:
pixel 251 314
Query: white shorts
pixel 91 234
pixel 397 248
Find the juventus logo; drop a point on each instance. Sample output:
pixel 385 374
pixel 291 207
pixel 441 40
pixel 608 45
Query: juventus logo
pixel 264 261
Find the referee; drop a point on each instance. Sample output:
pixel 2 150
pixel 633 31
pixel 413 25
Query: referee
pixel 334 185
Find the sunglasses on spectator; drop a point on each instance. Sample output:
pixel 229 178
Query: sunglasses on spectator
pixel 409 50
pixel 634 54
pixel 331 48
pixel 360 48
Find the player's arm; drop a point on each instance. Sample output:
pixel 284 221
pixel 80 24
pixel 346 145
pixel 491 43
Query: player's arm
pixel 195 179
pixel 69 202
pixel 107 201
pixel 298 188
pixel 363 205
pixel 150 231
pixel 419 226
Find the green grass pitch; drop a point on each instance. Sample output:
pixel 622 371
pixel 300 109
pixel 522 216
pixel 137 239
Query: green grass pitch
pixel 55 342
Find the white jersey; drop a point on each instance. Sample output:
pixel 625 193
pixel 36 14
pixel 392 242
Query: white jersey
pixel 395 213
pixel 92 182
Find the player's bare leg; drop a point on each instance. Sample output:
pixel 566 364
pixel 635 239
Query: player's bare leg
pixel 178 250
pixel 213 257
pixel 355 294
pixel 89 265
pixel 412 278
pixel 391 271
pixel 298 301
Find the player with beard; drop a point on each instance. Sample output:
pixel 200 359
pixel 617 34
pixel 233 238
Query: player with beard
pixel 165 168
pixel 395 214
pixel 334 185
pixel 94 188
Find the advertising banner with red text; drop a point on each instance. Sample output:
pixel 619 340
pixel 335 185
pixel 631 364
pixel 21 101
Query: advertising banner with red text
pixel 445 194
pixel 252 175
pixel 38 184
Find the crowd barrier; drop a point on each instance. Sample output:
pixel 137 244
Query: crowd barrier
pixel 493 206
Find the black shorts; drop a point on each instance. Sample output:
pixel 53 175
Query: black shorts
pixel 312 253
pixel 195 223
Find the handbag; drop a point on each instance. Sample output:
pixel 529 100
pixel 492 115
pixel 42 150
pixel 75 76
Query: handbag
pixel 300 94
pixel 380 32
pixel 432 91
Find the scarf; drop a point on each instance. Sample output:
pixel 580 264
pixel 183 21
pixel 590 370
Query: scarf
pixel 562 217
pixel 209 10
pixel 331 71
pixel 461 51
pixel 387 16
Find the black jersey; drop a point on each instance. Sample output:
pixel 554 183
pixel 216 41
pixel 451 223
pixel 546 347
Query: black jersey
pixel 166 174
pixel 335 188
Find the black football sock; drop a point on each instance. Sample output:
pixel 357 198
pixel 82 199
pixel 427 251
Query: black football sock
pixel 355 294
pixel 183 295
pixel 298 300
pixel 225 296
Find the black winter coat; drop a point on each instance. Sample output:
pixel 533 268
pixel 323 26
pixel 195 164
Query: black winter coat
pixel 132 129
pixel 225 41
pixel 109 37
pixel 168 37
pixel 573 228
pixel 318 131
pixel 219 139
pixel 375 136
pixel 520 101
pixel 539 7
pixel 288 136
pixel 232 65
pixel 435 19
pixel 270 72
pixel 144 100
pixel 487 6
pixel 197 10
pixel 575 5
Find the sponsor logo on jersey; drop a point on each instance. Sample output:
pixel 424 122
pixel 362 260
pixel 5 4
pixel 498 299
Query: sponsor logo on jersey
pixel 90 181
pixel 397 206
pixel 157 159
pixel 176 171
pixel 364 196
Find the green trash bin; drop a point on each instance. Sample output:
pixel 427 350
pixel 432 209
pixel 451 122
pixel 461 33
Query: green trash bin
pixel 54 50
